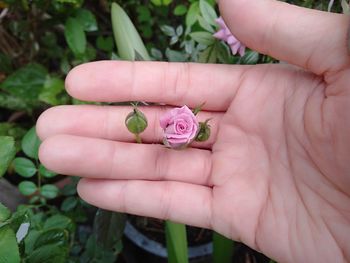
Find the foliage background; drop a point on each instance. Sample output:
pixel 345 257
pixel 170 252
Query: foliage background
pixel 40 41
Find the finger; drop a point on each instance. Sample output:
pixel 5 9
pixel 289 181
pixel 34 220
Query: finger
pixel 96 158
pixel 308 38
pixel 171 83
pixel 108 122
pixel 176 201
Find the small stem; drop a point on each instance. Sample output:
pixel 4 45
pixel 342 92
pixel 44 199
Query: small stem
pixel 198 109
pixel 39 180
pixel 138 138
pixel 39 175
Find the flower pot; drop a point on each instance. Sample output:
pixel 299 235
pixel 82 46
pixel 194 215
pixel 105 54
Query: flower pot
pixel 141 245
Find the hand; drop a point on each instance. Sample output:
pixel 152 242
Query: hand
pixel 275 173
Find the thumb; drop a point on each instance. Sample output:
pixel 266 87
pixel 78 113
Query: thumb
pixel 312 39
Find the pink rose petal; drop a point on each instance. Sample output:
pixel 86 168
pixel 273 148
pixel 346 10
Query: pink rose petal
pixel 180 127
pixel 226 35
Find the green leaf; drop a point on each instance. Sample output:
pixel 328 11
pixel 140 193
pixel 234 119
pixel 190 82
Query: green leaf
pixel 31 143
pixel 208 12
pixel 64 65
pixel 224 53
pixel 7 153
pixel 49 191
pixel 87 19
pixel 203 38
pixel 156 54
pixel 52 88
pixel 179 30
pixel 27 188
pixel 250 58
pixel 346 10
pixel 49 253
pixel 24 167
pixel 5 127
pixel 37 219
pixel 105 43
pixel 192 14
pixel 59 221
pixel 9 252
pixel 108 228
pixel 114 56
pixel 46 173
pixel 26 83
pixel 176 242
pixel 180 10
pixel 75 36
pixel 209 55
pixel 68 4
pixel 13 130
pixel 89 55
pixel 127 39
pixel 168 30
pixel 29 241
pixel 79 214
pixel 11 102
pixel 19 217
pixel 222 249
pixel 175 56
pixel 5 213
pixel 143 13
pixel 69 204
pixel 205 25
pixel 57 236
pixel 161 2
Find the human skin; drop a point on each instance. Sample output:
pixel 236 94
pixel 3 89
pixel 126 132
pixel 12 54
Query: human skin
pixel 275 173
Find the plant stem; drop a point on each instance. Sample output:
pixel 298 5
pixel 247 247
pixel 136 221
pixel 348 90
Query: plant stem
pixel 138 138
pixel 176 240
pixel 39 175
pixel 222 249
pixel 39 180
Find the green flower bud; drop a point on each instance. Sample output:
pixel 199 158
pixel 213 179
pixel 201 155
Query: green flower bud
pixel 136 121
pixel 204 132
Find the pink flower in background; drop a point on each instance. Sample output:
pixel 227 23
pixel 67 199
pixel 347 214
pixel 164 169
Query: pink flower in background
pixel 225 34
pixel 180 127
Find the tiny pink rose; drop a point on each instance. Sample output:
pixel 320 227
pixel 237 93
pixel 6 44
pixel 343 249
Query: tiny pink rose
pixel 180 127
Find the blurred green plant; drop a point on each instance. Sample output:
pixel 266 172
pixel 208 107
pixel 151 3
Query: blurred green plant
pixel 40 41
pixel 28 166
pixel 7 153
pixel 40 232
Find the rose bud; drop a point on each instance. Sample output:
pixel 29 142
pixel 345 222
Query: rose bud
pixel 180 127
pixel 136 121
pixel 204 132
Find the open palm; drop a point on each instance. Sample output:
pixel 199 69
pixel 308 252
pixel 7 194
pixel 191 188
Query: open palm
pixel 275 174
